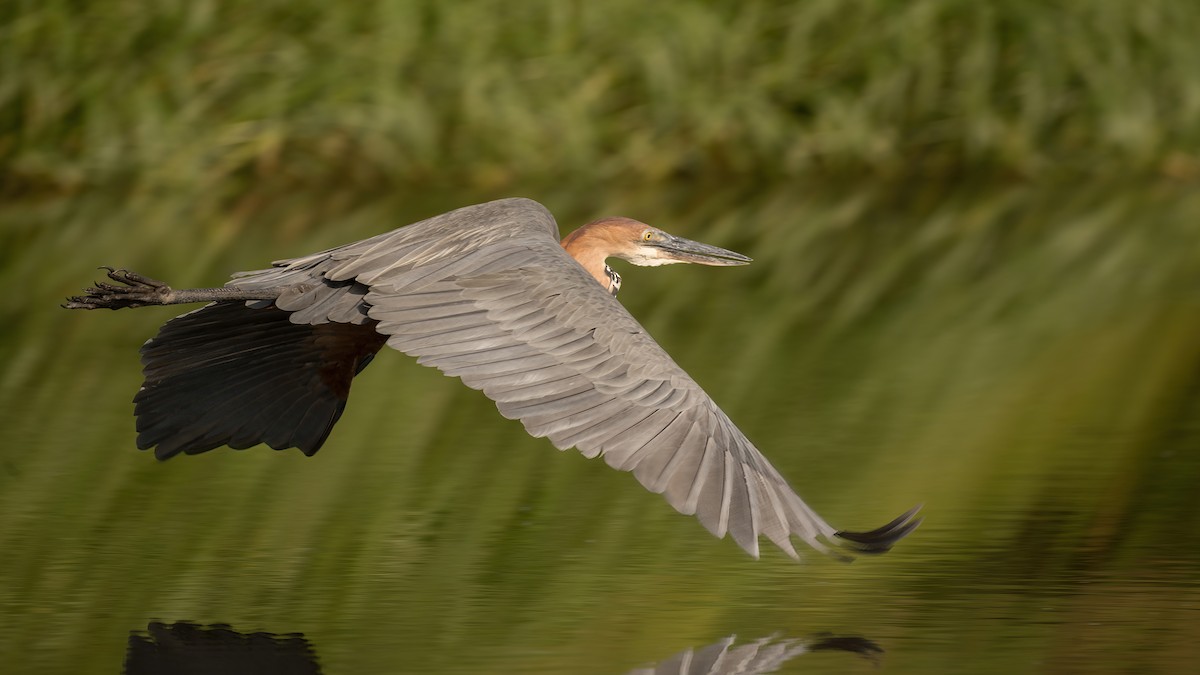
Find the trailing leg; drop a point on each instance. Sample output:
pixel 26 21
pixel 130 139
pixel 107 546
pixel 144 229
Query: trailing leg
pixel 139 291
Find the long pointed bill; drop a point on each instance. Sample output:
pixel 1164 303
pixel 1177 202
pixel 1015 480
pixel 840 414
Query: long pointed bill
pixel 688 251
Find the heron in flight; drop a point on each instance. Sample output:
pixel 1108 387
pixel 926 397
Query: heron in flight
pixel 488 294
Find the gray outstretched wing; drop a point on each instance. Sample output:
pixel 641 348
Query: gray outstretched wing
pixel 487 294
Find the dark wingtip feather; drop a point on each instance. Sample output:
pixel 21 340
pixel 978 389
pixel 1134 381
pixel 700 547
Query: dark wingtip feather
pixel 232 375
pixel 881 539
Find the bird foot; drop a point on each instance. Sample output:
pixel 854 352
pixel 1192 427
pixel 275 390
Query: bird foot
pixel 137 291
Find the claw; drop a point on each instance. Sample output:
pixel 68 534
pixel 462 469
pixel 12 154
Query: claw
pixel 134 290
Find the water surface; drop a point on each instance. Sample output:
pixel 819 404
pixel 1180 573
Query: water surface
pixel 1023 361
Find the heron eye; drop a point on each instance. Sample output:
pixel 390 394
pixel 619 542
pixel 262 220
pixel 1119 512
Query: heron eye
pixel 648 236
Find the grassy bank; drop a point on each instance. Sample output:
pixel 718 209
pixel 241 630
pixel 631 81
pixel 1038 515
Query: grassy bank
pixel 211 94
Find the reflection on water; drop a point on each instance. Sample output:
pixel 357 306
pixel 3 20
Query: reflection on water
pixel 765 655
pixel 1022 360
pixel 184 648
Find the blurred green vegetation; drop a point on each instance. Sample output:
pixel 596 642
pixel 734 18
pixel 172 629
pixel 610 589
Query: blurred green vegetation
pixel 218 95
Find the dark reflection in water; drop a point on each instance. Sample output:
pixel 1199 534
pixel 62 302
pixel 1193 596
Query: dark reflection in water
pixel 185 648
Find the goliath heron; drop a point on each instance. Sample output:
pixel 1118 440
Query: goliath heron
pixel 488 294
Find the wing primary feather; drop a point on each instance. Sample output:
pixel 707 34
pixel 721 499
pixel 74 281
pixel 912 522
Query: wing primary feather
pixel 709 492
pixel 780 531
pixel 706 465
pixel 726 496
pixel 745 516
pixel 561 425
pixel 628 447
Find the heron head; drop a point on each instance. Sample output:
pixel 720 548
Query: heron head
pixel 648 246
pixel 640 244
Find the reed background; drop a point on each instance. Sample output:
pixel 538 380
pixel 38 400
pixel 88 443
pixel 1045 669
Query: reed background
pixel 218 96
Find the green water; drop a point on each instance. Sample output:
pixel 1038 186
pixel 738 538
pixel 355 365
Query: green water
pixel 1024 361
